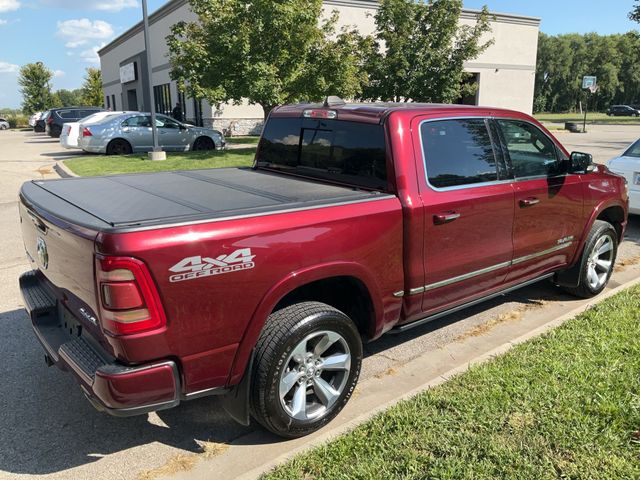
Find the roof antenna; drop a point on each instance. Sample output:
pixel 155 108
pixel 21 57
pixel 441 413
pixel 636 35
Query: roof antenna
pixel 333 101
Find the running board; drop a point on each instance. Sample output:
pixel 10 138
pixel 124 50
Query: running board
pixel 436 316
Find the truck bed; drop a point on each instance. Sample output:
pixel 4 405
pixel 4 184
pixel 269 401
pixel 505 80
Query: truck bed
pixel 137 201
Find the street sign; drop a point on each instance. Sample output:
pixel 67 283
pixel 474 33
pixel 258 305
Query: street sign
pixel 589 82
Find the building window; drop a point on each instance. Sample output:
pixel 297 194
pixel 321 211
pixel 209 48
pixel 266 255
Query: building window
pixel 162 95
pixel 108 103
pixel 113 102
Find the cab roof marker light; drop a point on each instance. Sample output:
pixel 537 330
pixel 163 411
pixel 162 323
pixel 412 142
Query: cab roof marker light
pixel 322 114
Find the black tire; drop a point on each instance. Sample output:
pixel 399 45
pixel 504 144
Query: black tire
pixel 285 330
pixel 202 144
pixel 3 127
pixel 599 230
pixel 119 147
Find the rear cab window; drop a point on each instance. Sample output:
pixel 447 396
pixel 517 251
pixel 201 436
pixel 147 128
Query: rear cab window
pixel 459 153
pixel 334 150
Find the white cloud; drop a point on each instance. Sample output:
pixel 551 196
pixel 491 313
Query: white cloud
pixel 90 55
pixel 6 67
pixel 78 32
pixel 9 5
pixel 58 73
pixel 101 5
pixel 2 22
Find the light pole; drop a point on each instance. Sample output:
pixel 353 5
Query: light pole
pixel 156 153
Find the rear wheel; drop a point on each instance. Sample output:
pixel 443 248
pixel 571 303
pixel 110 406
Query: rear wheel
pixel 119 147
pixel 306 366
pixel 204 143
pixel 3 127
pixel 598 260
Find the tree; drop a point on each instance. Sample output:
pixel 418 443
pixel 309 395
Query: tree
pixel 267 52
pixel 635 13
pixel 92 93
pixel 421 49
pixel 35 83
pixel 70 98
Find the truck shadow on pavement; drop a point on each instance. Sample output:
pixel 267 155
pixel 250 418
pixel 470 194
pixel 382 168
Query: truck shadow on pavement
pixel 47 426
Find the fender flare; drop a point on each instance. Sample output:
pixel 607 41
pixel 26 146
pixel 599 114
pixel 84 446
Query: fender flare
pixel 285 286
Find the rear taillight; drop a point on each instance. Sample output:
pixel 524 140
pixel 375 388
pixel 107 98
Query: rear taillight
pixel 50 120
pixel 86 132
pixel 68 130
pixel 128 298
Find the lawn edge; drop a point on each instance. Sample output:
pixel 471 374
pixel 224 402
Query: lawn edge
pixel 348 426
pixel 63 171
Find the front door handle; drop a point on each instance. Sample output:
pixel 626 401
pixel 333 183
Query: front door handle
pixel 529 202
pixel 444 218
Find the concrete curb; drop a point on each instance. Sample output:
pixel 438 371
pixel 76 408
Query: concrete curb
pixel 325 437
pixel 62 170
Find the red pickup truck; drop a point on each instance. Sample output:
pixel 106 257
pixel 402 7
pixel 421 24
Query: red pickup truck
pixel 261 284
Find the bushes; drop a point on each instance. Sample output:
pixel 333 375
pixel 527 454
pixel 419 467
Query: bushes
pixel 18 121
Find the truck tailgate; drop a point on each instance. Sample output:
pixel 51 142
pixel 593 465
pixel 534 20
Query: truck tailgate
pixel 61 251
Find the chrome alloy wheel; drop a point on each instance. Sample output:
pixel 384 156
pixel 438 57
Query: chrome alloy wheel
pixel 600 262
pixel 315 375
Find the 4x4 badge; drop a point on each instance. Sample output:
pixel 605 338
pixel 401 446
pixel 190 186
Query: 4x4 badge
pixel 192 268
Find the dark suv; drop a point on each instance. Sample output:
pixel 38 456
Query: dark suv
pixel 59 116
pixel 623 111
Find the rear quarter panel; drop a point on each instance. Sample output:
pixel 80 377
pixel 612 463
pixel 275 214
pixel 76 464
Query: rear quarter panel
pixel 214 321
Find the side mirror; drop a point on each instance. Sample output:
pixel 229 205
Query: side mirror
pixel 581 162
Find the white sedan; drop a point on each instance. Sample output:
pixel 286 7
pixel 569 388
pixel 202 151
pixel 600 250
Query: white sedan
pixel 71 131
pixel 628 164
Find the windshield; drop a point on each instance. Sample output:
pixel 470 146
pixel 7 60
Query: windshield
pixel 345 152
pixel 634 151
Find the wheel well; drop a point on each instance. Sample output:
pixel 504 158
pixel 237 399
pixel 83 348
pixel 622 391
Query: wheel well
pixel 615 216
pixel 119 139
pixel 204 137
pixel 347 294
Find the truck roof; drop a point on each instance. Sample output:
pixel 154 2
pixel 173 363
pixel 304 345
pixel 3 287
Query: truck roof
pixel 378 112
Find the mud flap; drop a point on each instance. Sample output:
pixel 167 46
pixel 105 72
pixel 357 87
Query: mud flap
pixel 236 402
pixel 569 278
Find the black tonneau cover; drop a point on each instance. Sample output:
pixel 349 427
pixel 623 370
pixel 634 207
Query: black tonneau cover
pixel 129 202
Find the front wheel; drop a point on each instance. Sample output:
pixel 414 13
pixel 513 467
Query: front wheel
pixel 203 144
pixel 306 366
pixel 598 260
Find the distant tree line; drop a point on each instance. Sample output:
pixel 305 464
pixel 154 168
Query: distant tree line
pixel 37 94
pixel 564 59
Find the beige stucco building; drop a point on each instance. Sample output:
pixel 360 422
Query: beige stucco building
pixel 505 72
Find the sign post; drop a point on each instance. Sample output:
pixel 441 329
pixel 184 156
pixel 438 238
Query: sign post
pixel 588 83
pixel 156 153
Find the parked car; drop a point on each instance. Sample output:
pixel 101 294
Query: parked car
pixel 131 133
pixel 628 165
pixel 71 131
pixel 4 124
pixel 261 284
pixel 41 123
pixel 34 118
pixel 623 111
pixel 59 116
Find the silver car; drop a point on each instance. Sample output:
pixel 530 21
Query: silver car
pixel 131 132
pixel 4 125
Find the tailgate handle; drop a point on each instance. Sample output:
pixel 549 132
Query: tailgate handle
pixel 37 222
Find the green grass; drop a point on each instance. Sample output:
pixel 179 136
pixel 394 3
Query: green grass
pixel 103 165
pixel 592 118
pixel 566 405
pixel 243 140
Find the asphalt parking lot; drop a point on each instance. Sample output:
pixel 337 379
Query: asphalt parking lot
pixel 48 428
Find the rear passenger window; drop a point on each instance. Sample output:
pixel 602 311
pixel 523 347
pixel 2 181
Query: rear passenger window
pixel 532 153
pixel 458 153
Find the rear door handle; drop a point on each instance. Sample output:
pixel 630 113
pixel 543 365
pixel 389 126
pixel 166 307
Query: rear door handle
pixel 444 218
pixel 529 202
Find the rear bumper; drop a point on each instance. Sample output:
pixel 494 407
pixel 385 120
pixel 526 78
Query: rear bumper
pixel 110 386
pixel 634 202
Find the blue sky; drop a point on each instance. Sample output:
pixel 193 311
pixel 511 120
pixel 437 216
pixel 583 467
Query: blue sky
pixel 65 34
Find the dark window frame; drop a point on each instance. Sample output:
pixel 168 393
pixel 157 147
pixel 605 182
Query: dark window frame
pixel 162 97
